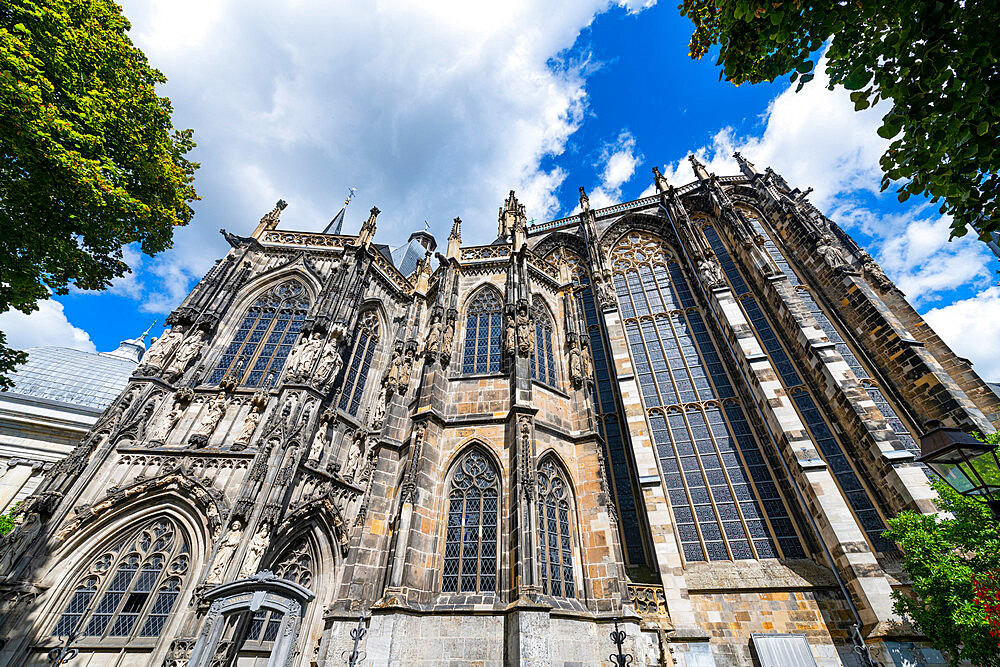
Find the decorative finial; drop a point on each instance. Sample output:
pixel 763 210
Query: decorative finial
pixel 584 200
pixel 456 229
pixel 699 169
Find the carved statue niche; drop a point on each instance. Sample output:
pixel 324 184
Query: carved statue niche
pixel 379 409
pixel 510 333
pixel 255 550
pixel 188 352
pixel 434 335
pixel 161 431
pixel 575 363
pixel 302 357
pixel 227 551
pixel 830 254
pixel 406 369
pixel 586 361
pixel 216 409
pixel 246 432
pixel 710 272
pixel 525 337
pixel 392 374
pixel 448 339
pixel 319 443
pixel 161 348
pixel 330 362
pixel 356 454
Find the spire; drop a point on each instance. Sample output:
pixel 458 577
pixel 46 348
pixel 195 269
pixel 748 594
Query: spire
pixel 336 225
pixel 511 216
pixel 131 349
pixel 455 239
pixel 584 200
pixel 699 169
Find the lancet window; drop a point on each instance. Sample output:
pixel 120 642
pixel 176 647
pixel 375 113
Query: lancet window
pixel 470 558
pixel 610 420
pixel 365 342
pixel 725 502
pixel 265 336
pixel 543 365
pixel 554 537
pixel 482 333
pixel 833 453
pixel 130 589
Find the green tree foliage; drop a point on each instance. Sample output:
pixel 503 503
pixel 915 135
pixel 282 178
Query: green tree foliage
pixel 9 520
pixel 942 555
pixel 935 61
pixel 89 158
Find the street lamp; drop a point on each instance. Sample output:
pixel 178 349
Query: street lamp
pixel 968 465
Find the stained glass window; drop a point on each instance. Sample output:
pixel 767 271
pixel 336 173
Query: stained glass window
pixel 265 336
pixel 543 365
pixel 482 333
pixel 131 588
pixel 470 553
pixel 828 446
pixel 554 540
pixel 621 478
pixel 725 501
pixel 365 342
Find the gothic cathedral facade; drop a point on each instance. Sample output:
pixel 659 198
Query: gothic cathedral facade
pixel 689 414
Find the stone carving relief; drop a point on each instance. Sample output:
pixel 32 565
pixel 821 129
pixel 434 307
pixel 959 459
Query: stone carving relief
pixel 161 348
pixel 356 454
pixel 710 272
pixel 255 550
pixel 303 356
pixel 188 352
pixel 319 443
pixel 525 330
pixel 214 412
pixel 830 254
pixel 226 553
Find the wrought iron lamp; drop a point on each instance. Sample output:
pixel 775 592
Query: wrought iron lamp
pixel 968 465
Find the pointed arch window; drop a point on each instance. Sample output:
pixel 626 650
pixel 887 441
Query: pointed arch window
pixel 265 336
pixel 295 565
pixel 482 333
pixel 470 558
pixel 543 365
pixel 366 340
pixel 130 589
pixel 554 543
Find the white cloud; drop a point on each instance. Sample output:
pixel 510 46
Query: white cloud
pixel 620 161
pixel 431 110
pixel 970 327
pixel 46 326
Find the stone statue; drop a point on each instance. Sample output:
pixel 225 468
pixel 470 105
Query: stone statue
pixel 304 355
pixel 213 415
pixel 709 272
pixel 586 361
pixel 227 550
pixel 249 426
pixel 391 380
pixel 525 340
pixel 449 339
pixel 510 336
pixel 163 347
pixel 165 425
pixel 330 362
pixel 830 254
pixel 255 550
pixel 17 540
pixel 434 336
pixel 405 370
pixel 575 365
pixel 378 413
pixel 318 445
pixel 189 350
pixel 354 456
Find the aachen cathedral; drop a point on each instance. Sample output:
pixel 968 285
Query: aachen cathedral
pixel 691 414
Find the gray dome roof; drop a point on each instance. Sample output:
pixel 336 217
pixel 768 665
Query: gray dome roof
pixel 71 376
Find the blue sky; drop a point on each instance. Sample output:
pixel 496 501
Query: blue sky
pixel 437 110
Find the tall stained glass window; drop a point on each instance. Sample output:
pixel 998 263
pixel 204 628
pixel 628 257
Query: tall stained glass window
pixel 130 589
pixel 555 549
pixel 482 333
pixel 543 365
pixel 831 450
pixel 620 474
pixel 725 501
pixel 871 386
pixel 470 552
pixel 265 336
pixel 365 342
